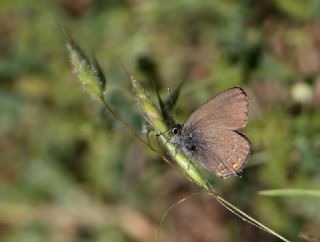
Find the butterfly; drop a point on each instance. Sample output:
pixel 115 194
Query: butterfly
pixel 211 135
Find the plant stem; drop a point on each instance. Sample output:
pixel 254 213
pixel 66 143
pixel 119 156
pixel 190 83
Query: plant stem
pixel 245 217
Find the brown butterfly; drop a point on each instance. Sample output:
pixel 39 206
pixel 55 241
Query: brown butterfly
pixel 211 134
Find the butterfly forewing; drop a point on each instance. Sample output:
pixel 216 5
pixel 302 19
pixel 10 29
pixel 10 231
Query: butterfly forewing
pixel 226 110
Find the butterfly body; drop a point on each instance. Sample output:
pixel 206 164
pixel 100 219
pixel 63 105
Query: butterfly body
pixel 185 141
pixel 211 133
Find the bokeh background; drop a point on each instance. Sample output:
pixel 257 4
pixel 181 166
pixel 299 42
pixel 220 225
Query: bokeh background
pixel 70 172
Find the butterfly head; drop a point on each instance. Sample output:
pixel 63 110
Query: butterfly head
pixel 176 134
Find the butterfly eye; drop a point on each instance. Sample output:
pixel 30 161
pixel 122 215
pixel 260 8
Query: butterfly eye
pixel 175 130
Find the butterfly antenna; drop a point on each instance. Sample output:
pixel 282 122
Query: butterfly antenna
pixel 172 112
pixel 170 95
pixel 161 133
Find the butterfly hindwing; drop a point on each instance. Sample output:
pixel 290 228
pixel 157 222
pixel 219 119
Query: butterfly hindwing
pixel 224 152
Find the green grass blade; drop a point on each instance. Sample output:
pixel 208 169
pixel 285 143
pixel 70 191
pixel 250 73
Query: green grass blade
pixel 290 192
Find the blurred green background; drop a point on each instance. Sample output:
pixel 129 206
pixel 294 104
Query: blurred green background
pixel 70 172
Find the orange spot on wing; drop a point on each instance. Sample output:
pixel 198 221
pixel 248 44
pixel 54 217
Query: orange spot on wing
pixel 222 174
pixel 235 166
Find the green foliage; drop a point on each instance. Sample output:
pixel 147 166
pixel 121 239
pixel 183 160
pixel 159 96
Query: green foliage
pixel 69 171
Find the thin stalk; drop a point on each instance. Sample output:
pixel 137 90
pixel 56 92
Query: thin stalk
pixel 169 209
pixel 230 207
pixel 245 217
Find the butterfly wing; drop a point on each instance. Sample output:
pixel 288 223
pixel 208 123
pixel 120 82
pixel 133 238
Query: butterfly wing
pixel 222 151
pixel 226 110
pixel 220 148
